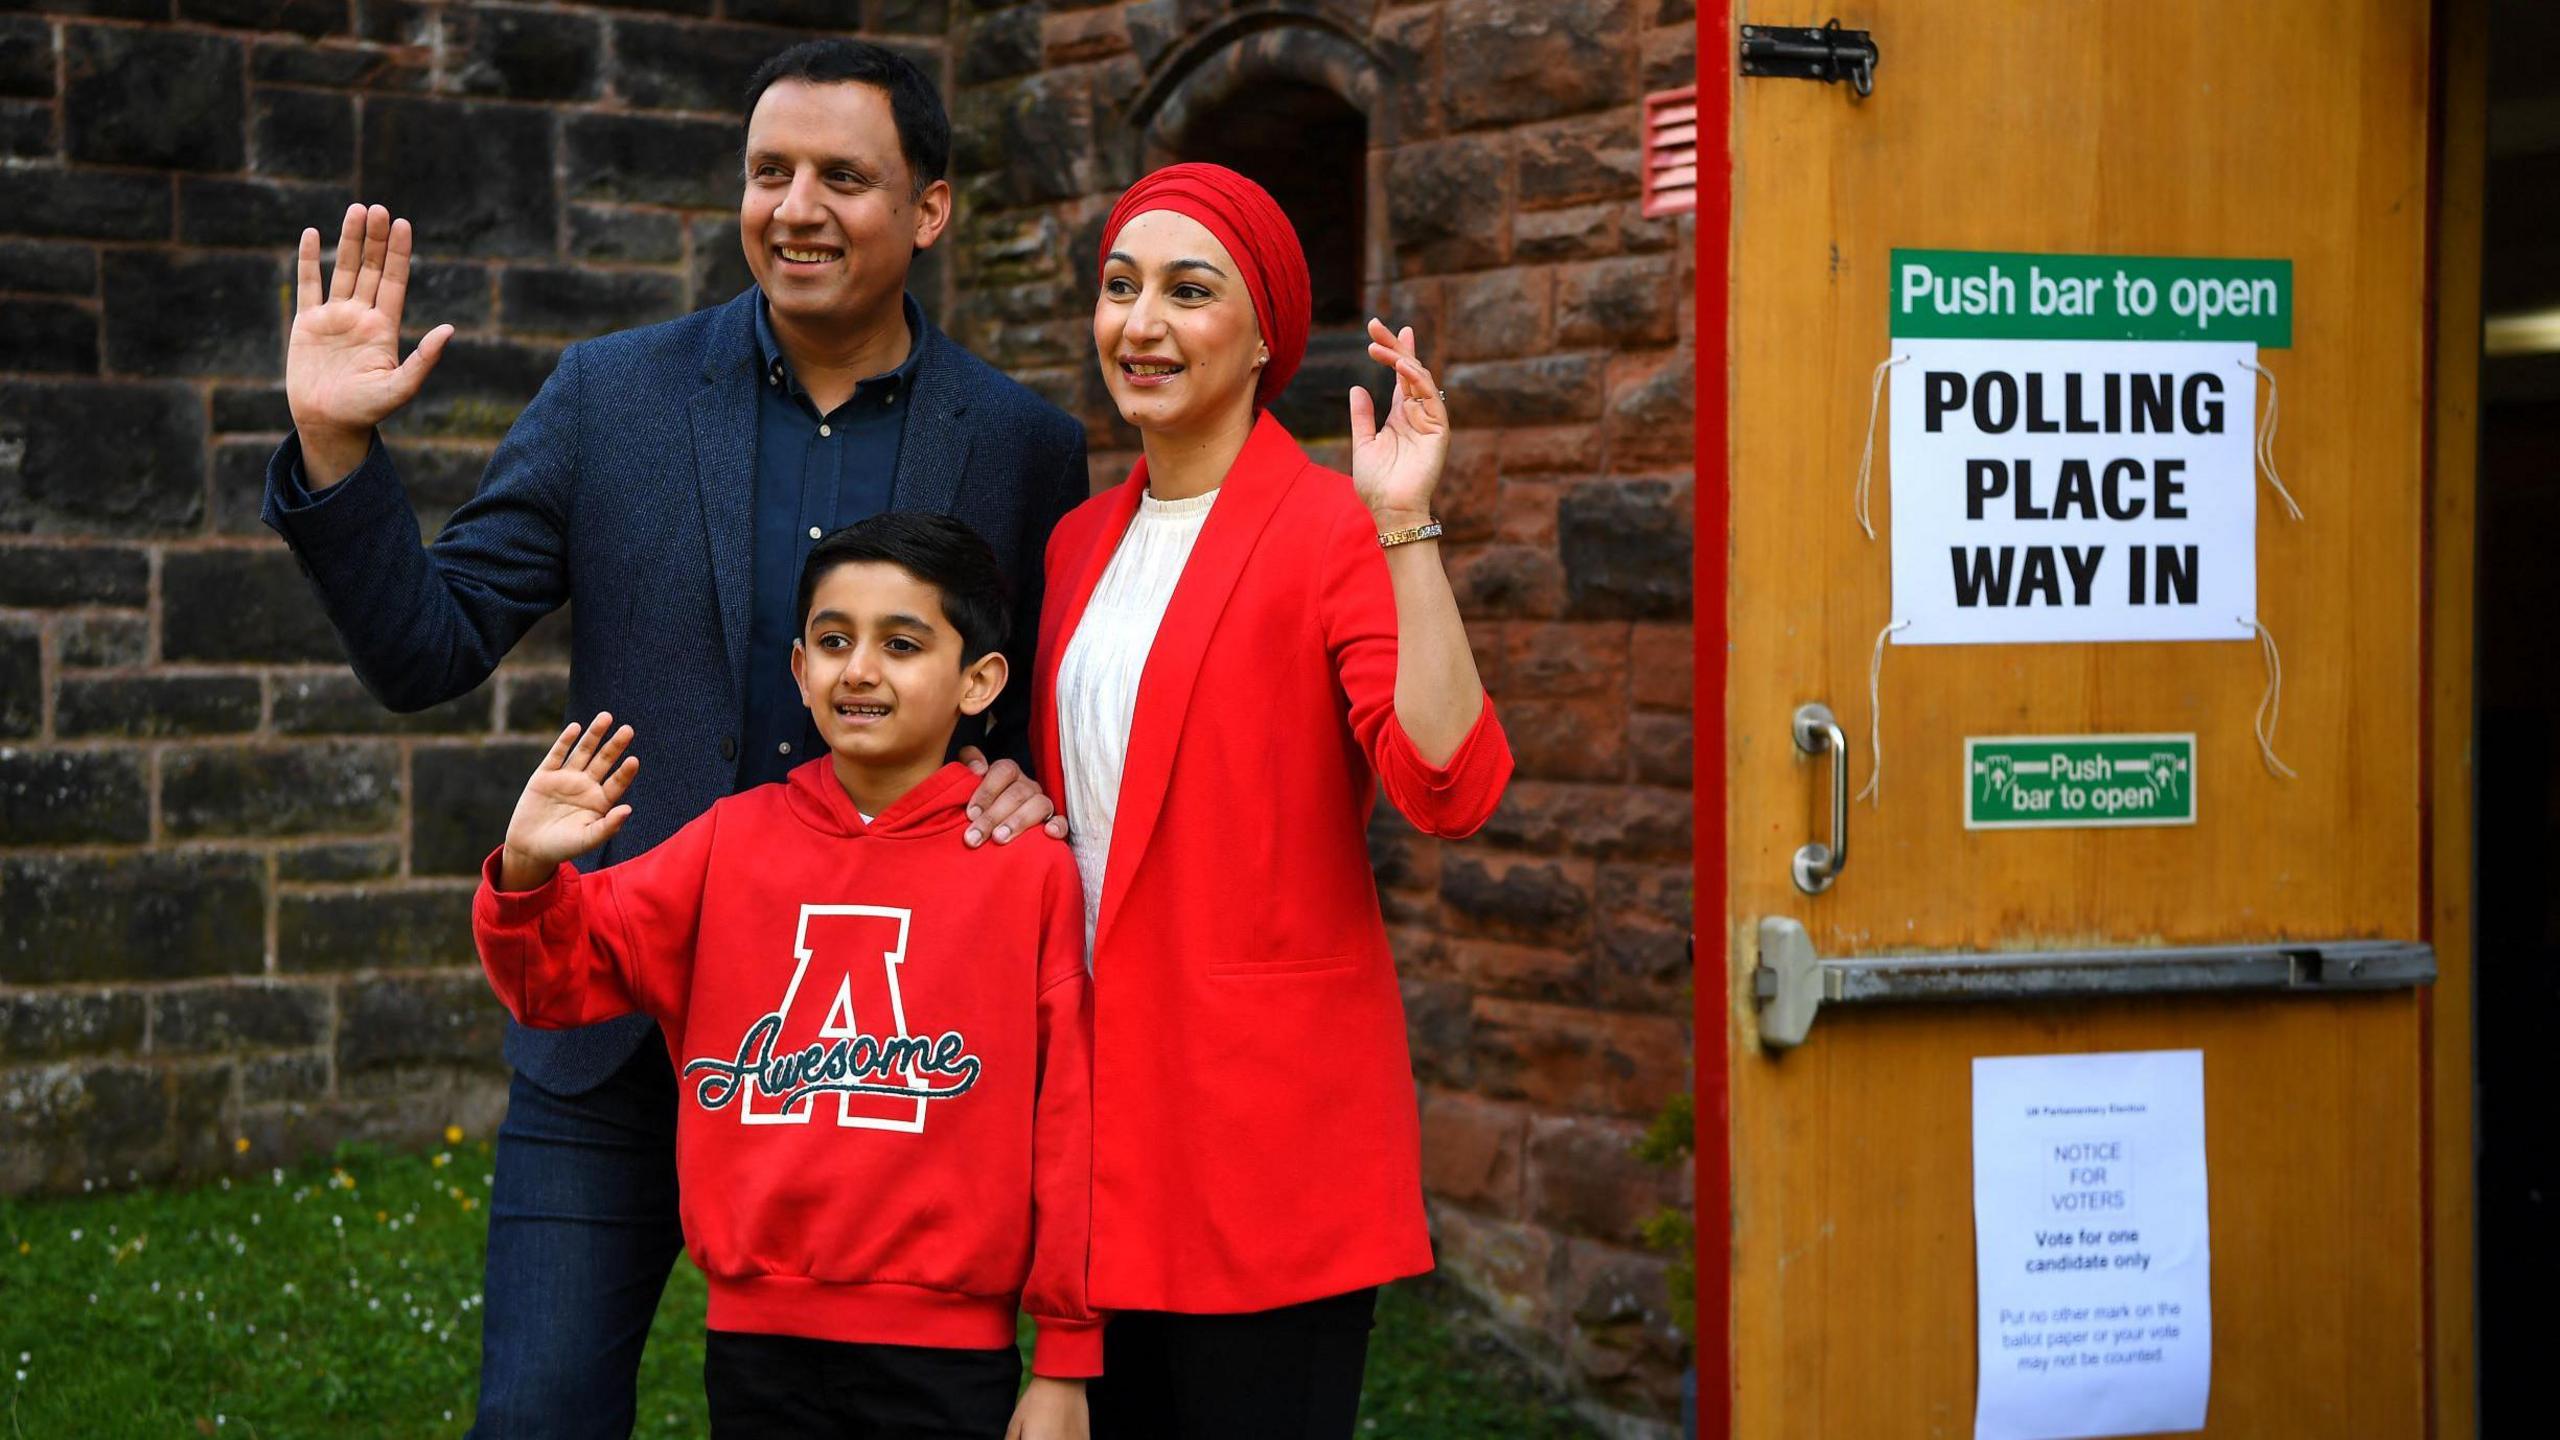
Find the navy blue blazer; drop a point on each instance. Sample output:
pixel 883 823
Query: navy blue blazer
pixel 625 491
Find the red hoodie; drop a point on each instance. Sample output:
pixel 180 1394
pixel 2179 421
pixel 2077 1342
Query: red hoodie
pixel 883 1047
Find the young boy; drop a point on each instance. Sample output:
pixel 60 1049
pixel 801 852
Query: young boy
pixel 882 1038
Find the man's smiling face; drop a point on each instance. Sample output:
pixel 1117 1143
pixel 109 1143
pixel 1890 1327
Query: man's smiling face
pixel 831 217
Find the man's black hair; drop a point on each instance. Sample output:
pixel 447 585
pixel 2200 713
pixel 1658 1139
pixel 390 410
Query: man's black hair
pixel 936 549
pixel 924 129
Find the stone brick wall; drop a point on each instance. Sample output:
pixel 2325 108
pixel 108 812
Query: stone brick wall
pixel 233 889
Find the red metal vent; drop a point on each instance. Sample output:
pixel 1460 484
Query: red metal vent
pixel 1671 151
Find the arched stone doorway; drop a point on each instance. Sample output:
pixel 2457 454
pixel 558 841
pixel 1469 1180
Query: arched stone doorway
pixel 1293 103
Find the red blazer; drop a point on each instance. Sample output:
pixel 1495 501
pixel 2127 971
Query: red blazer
pixel 1255 1136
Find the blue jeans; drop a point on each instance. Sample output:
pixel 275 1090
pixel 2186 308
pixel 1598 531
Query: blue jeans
pixel 582 1232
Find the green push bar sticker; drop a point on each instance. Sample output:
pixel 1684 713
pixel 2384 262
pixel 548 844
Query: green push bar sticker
pixel 2004 295
pixel 2047 782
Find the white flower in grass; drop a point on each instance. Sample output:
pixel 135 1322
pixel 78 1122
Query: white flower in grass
pixel 75 1235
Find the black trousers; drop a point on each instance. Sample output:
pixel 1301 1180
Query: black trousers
pixel 1286 1374
pixel 785 1385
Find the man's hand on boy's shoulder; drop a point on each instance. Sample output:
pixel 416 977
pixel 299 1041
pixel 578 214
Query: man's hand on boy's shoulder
pixel 1050 1410
pixel 1007 804
pixel 572 804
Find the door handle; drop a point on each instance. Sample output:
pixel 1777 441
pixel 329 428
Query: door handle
pixel 1818 864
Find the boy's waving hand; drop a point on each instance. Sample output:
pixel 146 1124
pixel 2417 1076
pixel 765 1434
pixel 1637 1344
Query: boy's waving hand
pixel 572 804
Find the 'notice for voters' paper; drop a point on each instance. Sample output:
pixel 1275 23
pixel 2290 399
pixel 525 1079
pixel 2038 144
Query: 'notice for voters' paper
pixel 2093 1265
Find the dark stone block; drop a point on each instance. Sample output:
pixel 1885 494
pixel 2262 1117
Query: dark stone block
pixel 147 706
pixel 90 456
pixel 1525 901
pixel 648 237
pixel 1504 61
pixel 537 702
pixel 1545 390
pixel 161 99
pixel 341 67
pixel 265 214
pixel 997 46
pixel 413 1020
pixel 98 641
pixel 63 1124
pixel 1043 130
pixel 578 301
pixel 53 1024
pixel 257 408
pixel 398 22
pixel 911 17
pixel 661 66
pixel 440 477
pixel 479 388
pixel 1446 206
pixel 74 797
pixel 314 18
pixel 21 679
pixel 47 268
pixel 203 1018
pixel 647 160
pixel 283 1077
pixel 1626 550
pixel 304 788
pixel 34 575
pixel 231 324
pixel 239 484
pixel 26 130
pixel 836 15
pixel 444 292
pixel 86 205
pixel 147 916
pixel 477 177
pixel 306 135
pixel 464 794
pixel 375 928
pixel 26 58
pixel 241 605
pixel 58 336
pixel 523 54
pixel 336 703
pixel 1578 161
pixel 340 861
pixel 666 7
pixel 720 272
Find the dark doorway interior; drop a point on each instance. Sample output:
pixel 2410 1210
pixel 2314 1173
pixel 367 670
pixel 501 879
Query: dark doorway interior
pixel 1310 148
pixel 2518 687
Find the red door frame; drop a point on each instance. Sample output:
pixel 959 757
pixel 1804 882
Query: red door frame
pixel 1711 547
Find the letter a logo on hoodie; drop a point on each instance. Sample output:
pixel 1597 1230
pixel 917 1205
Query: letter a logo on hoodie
pixel 840 1037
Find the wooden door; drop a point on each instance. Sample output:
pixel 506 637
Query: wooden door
pixel 2291 129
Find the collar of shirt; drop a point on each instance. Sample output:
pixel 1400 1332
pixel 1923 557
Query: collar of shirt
pixel 883 388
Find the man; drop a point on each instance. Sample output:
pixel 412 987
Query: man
pixel 667 483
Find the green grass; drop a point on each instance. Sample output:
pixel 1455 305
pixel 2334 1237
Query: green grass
pixel 343 1299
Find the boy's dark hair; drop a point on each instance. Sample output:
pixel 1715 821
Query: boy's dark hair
pixel 936 549
pixel 924 129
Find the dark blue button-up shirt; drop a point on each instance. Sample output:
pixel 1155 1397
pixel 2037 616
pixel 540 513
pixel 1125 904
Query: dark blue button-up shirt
pixel 814 473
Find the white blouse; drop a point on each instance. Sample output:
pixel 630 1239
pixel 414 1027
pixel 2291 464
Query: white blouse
pixel 1098 676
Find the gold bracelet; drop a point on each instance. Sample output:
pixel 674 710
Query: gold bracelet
pixel 1427 530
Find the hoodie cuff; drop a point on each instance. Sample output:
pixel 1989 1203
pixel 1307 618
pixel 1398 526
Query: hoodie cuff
pixel 516 907
pixel 1067 1349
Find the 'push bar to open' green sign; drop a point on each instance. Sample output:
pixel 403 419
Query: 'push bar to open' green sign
pixel 2027 782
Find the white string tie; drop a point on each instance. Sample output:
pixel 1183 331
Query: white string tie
pixel 1867 456
pixel 2267 439
pixel 1875 715
pixel 2272 704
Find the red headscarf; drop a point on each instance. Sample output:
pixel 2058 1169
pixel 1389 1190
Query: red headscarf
pixel 1250 224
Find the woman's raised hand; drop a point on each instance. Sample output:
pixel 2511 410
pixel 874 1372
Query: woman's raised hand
pixel 572 804
pixel 1396 465
pixel 343 374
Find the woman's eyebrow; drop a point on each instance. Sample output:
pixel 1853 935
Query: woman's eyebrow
pixel 1125 258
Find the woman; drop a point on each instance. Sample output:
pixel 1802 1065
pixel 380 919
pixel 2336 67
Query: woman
pixel 1239 648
